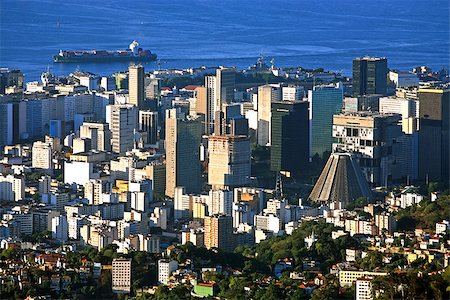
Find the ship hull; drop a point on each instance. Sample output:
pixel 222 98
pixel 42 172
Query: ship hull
pixel 103 59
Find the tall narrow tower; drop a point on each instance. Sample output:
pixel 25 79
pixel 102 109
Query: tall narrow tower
pixel 136 85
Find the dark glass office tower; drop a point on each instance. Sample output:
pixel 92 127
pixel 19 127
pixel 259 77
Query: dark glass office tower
pixel 290 137
pixel 434 134
pixel 369 76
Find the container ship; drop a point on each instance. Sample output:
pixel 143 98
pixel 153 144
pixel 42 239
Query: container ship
pixel 133 54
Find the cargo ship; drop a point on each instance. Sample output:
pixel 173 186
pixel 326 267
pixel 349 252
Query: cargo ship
pixel 133 54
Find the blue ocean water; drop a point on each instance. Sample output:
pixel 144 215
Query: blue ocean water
pixel 190 33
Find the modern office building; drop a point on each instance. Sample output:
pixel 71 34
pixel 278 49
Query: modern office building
pixel 136 86
pixel 122 121
pixel 324 102
pixel 434 134
pixel 225 84
pixel 148 122
pixel 183 138
pixel 293 93
pixel 289 152
pixel 219 232
pixel 60 228
pixel 42 156
pixel 208 102
pixel 121 275
pixel 229 161
pixel 98 133
pixel 369 76
pixel 267 94
pixel 376 140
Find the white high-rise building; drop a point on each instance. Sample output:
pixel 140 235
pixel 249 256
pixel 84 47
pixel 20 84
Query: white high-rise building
pixel 165 269
pixel 293 93
pixel 12 187
pixel 363 289
pixel 60 228
pixel 123 122
pixel 42 156
pixel 266 95
pixel 98 133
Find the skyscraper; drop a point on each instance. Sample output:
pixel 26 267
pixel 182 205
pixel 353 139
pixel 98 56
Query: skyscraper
pixel 325 101
pixel 434 134
pixel 369 76
pixel 219 232
pixel 148 122
pixel 229 161
pixel 136 85
pixel 290 137
pixel 183 138
pixel 225 83
pixel 266 95
pixel 122 121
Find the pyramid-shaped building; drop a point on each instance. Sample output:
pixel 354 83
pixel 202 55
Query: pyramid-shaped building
pixel 341 180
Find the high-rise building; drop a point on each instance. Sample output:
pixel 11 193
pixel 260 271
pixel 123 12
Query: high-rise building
pixel 136 85
pixel 183 138
pixel 376 141
pixel 60 228
pixel 148 122
pixel 369 76
pixel 219 232
pixel 293 93
pixel 203 107
pixel 325 101
pixel 122 121
pixel 42 156
pixel 121 275
pixel 12 187
pixel 225 84
pixel 289 152
pixel 98 133
pixel 229 161
pixel 211 105
pixel 266 95
pixel 434 134
pixel 94 189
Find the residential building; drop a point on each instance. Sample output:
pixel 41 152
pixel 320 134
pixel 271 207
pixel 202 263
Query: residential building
pixel 121 275
pixel 99 135
pixel 165 269
pixel 12 187
pixel 219 232
pixel 42 156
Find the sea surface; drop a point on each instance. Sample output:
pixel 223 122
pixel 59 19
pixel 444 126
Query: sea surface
pixel 185 33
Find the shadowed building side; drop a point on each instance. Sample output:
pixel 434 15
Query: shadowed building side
pixel 341 180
